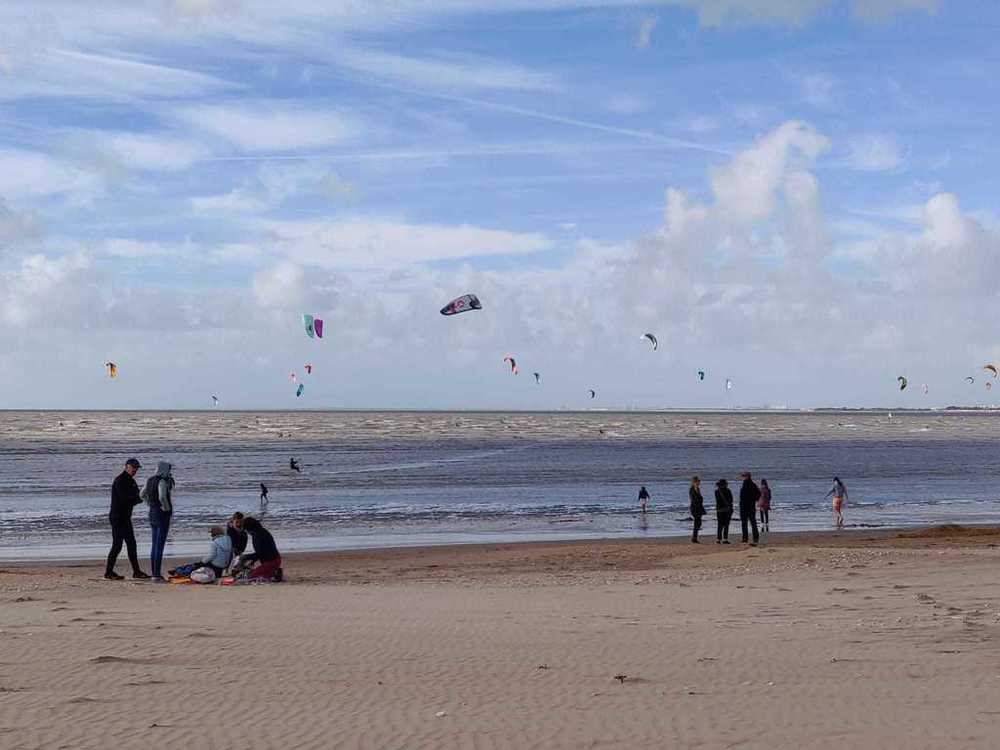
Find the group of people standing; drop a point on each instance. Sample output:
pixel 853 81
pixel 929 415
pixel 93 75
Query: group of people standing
pixel 754 499
pixel 264 563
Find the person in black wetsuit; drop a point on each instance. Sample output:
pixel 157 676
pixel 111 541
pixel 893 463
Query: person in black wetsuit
pixel 697 507
pixel 124 497
pixel 643 499
pixel 263 495
pixel 293 465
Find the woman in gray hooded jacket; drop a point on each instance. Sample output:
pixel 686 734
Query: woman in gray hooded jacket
pixel 159 495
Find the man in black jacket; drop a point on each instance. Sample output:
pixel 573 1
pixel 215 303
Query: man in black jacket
pixel 749 495
pixel 124 497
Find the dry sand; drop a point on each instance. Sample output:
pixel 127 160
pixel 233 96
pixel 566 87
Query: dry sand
pixel 811 641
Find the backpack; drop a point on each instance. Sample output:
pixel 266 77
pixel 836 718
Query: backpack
pixel 152 492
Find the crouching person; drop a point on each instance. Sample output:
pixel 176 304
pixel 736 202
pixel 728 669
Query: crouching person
pixel 218 556
pixel 265 553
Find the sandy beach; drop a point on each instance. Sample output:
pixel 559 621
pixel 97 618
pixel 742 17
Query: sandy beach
pixel 809 641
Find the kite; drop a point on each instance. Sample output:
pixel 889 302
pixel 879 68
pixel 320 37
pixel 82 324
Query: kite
pixel 538 378
pixel 292 376
pixel 308 368
pixel 970 380
pixel 991 368
pixel 298 391
pixel 924 388
pixel 989 386
pixel 903 382
pixel 513 364
pixel 318 327
pixel 651 339
pixel 593 393
pixel 309 323
pixel 701 374
pixel 462 304
pixel 729 384
pixel 215 400
pixel 112 369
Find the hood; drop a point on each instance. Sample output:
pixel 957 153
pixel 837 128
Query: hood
pixel 163 468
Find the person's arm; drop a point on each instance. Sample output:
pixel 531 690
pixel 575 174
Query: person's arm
pixel 164 489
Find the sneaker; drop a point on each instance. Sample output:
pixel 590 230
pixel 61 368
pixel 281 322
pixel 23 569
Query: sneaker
pixel 695 541
pixel 157 579
pixel 140 574
pixel 113 577
pixel 725 541
pixel 718 541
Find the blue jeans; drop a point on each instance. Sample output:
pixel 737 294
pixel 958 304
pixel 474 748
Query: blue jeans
pixel 159 522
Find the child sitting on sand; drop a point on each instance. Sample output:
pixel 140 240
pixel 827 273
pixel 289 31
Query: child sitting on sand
pixel 218 557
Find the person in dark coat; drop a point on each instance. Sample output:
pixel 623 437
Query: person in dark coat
pixel 749 495
pixel 265 552
pixel 697 506
pixel 236 534
pixel 723 510
pixel 124 497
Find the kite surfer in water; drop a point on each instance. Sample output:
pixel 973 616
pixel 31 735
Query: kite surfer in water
pixel 263 496
pixel 293 465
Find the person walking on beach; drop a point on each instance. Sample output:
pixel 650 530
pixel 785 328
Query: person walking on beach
pixel 263 496
pixel 749 495
pixel 643 499
pixel 697 506
pixel 723 510
pixel 159 495
pixel 124 497
pixel 293 465
pixel 839 494
pixel 764 505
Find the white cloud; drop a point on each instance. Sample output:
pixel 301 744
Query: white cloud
pixel 69 73
pixel 236 201
pixel 451 71
pixel 645 32
pixel 16 227
pixel 874 152
pixel 745 188
pixel 878 11
pixel 28 173
pixel 271 126
pixel 380 243
pixel 140 151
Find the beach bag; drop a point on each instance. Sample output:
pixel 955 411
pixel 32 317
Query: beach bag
pixel 203 575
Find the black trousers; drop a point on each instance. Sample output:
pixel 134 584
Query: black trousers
pixel 723 519
pixel 122 533
pixel 748 515
pixel 697 527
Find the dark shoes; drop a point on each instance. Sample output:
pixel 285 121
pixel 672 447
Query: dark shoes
pixel 112 576
pixel 695 541
pixel 140 574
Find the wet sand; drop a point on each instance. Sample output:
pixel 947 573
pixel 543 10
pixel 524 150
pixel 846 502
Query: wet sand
pixel 811 640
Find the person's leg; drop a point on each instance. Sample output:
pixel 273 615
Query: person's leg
pixel 265 571
pixel 697 528
pixel 743 524
pixel 718 528
pixel 116 547
pixel 724 522
pixel 133 553
pixel 164 528
pixel 157 524
pixel 753 526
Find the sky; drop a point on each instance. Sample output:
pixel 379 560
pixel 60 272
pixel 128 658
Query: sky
pixel 796 195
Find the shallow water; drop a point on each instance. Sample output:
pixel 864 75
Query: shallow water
pixel 402 478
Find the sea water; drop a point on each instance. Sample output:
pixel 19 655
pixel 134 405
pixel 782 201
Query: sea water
pixel 377 479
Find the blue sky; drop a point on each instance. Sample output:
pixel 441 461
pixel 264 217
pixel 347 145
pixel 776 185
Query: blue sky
pixel 794 194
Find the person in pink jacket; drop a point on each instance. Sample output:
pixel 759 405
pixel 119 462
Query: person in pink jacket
pixel 764 504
